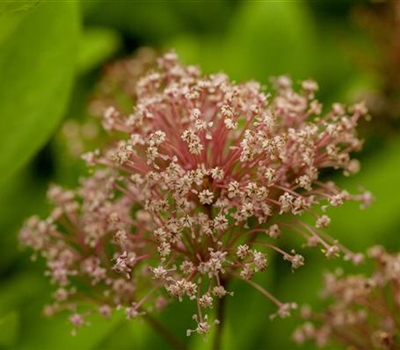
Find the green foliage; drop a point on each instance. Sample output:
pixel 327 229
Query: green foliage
pixel 37 65
pixel 8 329
pixel 23 192
pixel 47 334
pixel 271 37
pixel 262 39
pixel 15 6
pixel 378 224
pixel 148 21
pixel 96 45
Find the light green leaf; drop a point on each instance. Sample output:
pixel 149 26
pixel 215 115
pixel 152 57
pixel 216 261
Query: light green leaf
pixel 263 39
pixel 271 38
pixel 8 23
pixel 359 229
pixel 96 45
pixel 36 70
pixel 10 6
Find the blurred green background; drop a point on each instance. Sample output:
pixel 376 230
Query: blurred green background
pixel 51 56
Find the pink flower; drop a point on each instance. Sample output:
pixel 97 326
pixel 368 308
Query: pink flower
pixel 362 311
pixel 192 192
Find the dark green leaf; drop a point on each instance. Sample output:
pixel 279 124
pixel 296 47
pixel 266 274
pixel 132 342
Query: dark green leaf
pixel 8 329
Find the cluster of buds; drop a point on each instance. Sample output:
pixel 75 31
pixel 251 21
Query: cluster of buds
pixel 363 312
pixel 205 178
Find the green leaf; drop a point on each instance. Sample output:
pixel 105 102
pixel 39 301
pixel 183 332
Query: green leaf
pixel 9 21
pixel 36 69
pixel 55 332
pixel 271 38
pixel 10 6
pixel 358 229
pixel 9 325
pixel 20 188
pixel 145 20
pixel 263 39
pixel 247 323
pixel 96 45
pixel 129 334
pixel 20 289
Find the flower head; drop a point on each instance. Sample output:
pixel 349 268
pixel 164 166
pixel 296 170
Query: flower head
pixel 362 311
pixel 204 176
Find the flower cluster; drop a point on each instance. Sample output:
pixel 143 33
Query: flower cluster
pixel 204 180
pixel 364 310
